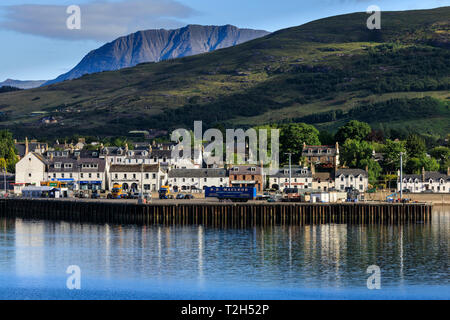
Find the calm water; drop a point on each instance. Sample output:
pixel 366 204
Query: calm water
pixel 195 262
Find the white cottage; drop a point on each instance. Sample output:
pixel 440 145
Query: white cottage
pixel 351 178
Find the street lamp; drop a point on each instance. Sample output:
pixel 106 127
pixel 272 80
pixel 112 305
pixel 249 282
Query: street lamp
pixel 401 175
pixel 290 175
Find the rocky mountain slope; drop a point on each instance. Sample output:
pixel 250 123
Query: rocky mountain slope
pixel 158 45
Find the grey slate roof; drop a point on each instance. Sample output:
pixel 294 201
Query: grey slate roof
pixel 134 168
pixel 434 175
pixel 318 151
pixel 77 164
pixel 246 169
pixel 348 172
pixel 198 173
pixel 297 172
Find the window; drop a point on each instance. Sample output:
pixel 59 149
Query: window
pixel 81 175
pixel 342 178
pixel 360 187
pixel 124 175
pixel 62 175
pixel 90 175
pixel 360 178
pixel 29 175
pixel 154 175
pixel 67 165
pixel 71 175
pixel 252 169
pixel 57 165
pixel 116 176
pixel 147 176
pixel 205 179
pixel 134 175
pixel 98 175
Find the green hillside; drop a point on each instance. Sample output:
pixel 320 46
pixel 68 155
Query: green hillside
pixel 297 74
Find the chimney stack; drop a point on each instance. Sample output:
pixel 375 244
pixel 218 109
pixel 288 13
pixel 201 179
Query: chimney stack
pixel 423 174
pixel 26 146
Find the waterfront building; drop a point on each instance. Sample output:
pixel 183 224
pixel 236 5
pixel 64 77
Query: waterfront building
pixel 197 179
pixel 427 181
pixel 351 178
pixel 246 176
pixel 324 156
pixel 135 177
pixel 323 181
pixel 31 170
pixel 301 178
pixel 87 173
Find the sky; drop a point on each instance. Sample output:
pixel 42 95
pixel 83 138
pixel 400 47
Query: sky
pixel 37 45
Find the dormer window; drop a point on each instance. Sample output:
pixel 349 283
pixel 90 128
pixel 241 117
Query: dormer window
pixel 252 169
pixel 286 171
pixel 130 153
pixel 144 153
pixel 328 151
pixel 441 181
pixel 431 181
pixel 235 169
pixel 57 164
pixel 65 153
pixel 67 165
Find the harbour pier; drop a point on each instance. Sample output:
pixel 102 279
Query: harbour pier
pixel 216 214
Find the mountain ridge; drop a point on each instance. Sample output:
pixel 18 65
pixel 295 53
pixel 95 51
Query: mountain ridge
pixel 156 45
pixel 22 84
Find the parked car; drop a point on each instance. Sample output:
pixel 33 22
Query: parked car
pixel 133 195
pixel 180 196
pixel 81 195
pixel 265 196
pixel 189 196
pixel 95 195
pixel 428 191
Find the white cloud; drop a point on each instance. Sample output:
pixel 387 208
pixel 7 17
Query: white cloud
pixel 100 20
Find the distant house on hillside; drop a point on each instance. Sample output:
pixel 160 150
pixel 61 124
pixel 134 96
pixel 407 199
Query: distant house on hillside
pixel 321 156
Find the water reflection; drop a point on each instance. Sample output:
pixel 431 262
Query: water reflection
pixel 309 256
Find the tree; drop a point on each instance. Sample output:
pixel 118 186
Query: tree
pixel 373 169
pixel 415 165
pixel 354 151
pixel 353 130
pixel 392 150
pixel 292 137
pixel 415 146
pixel 326 138
pixel 8 150
pixel 442 155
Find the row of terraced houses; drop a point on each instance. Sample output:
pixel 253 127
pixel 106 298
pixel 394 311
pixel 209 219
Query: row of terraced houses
pixel 147 167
